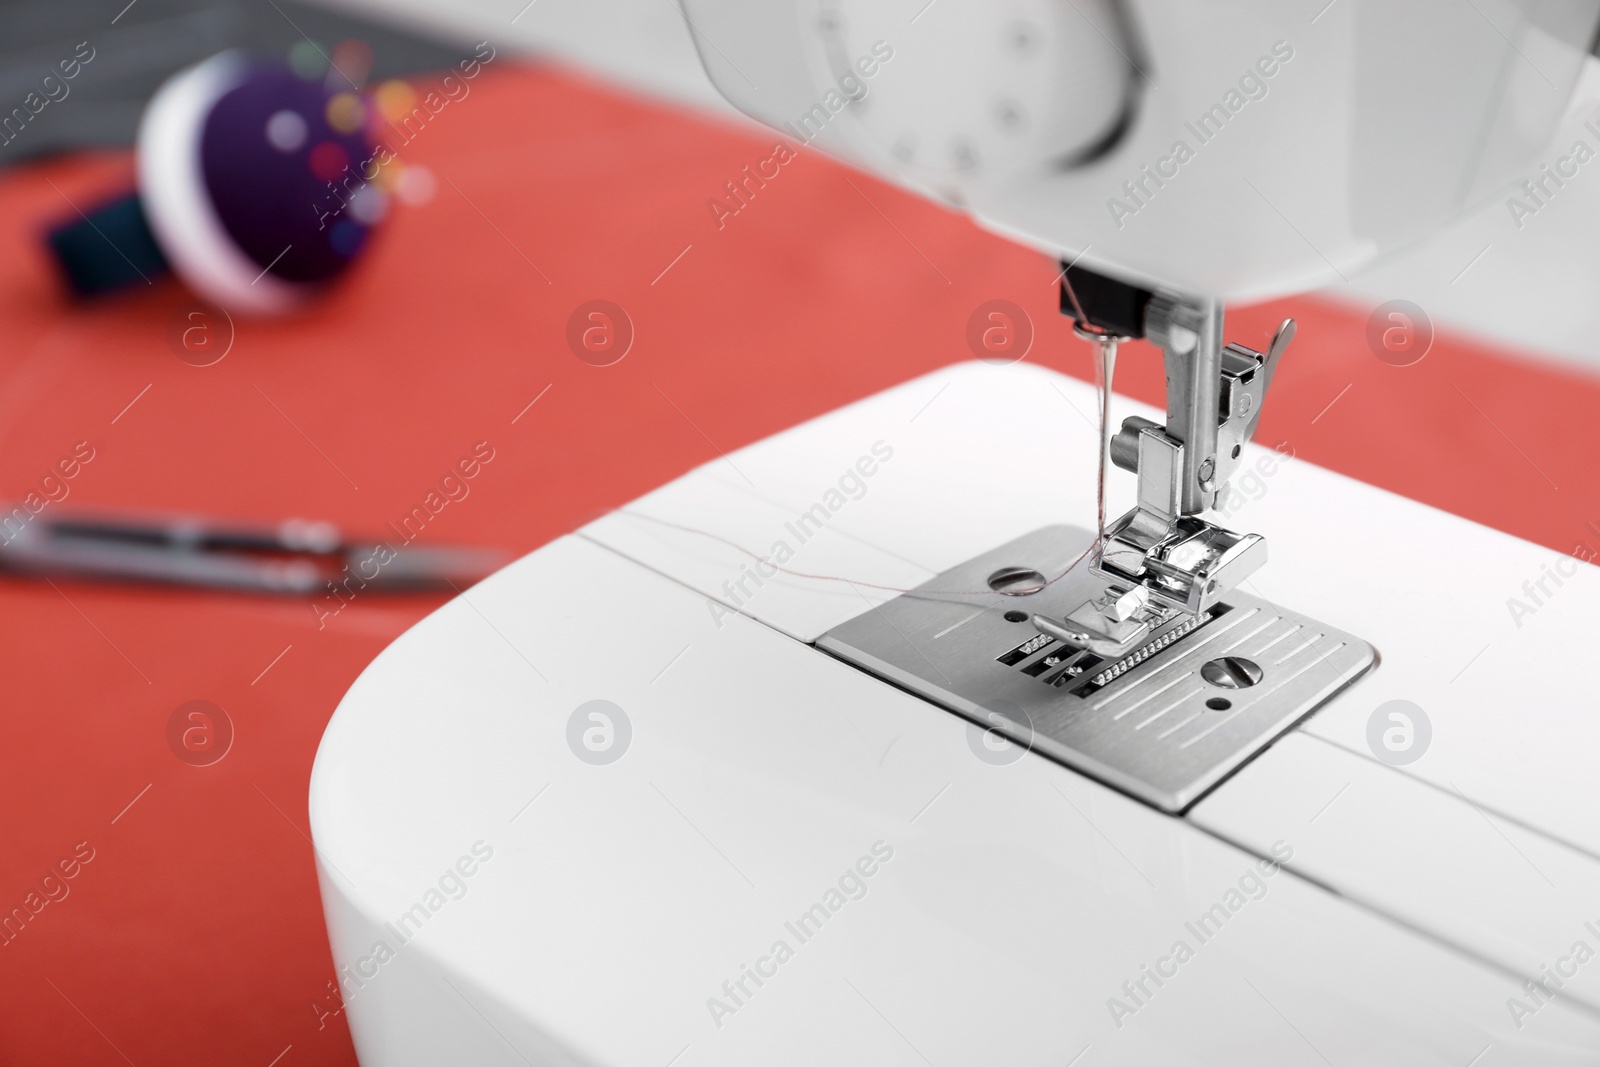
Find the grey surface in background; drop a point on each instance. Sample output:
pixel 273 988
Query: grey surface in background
pixel 151 39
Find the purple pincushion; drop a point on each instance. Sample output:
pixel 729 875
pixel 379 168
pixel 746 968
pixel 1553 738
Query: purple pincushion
pixel 294 193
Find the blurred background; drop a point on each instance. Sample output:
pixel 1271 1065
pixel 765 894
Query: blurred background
pixel 578 167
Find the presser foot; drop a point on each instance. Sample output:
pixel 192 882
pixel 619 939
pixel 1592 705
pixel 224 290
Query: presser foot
pixel 1190 569
pixel 1109 624
pixel 1184 570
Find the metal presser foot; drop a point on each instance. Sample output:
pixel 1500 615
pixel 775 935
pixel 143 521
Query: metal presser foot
pixel 1148 669
pixel 1161 560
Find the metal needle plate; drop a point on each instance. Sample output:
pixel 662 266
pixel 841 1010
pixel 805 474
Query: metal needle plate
pixel 1149 724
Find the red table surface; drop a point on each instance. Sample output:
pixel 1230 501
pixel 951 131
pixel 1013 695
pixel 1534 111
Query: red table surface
pixel 195 934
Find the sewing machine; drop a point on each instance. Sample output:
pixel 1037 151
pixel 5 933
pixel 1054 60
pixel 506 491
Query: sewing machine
pixel 849 747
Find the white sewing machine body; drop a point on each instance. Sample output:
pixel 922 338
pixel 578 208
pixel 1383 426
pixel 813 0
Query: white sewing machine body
pixel 1239 150
pixel 790 861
